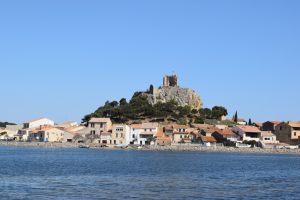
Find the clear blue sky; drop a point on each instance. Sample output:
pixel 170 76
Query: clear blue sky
pixel 63 59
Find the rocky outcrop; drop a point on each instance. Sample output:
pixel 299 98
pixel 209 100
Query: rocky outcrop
pixel 183 96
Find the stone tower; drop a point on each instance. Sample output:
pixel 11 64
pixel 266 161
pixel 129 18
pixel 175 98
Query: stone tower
pixel 170 81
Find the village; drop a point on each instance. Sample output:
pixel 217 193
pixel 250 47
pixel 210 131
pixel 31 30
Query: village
pixel 105 132
pixel 101 132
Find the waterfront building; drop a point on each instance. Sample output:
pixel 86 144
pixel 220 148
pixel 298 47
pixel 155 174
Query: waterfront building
pixel 50 134
pixel 208 140
pixel 28 127
pixel 120 134
pixel 225 136
pixel 143 134
pixel 267 137
pixel 247 133
pixel 182 134
pixel 163 136
pixel 270 126
pixel 288 132
pixel 95 127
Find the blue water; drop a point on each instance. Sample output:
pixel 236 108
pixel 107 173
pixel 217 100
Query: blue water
pixel 102 174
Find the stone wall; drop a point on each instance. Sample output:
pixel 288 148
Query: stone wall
pixel 170 81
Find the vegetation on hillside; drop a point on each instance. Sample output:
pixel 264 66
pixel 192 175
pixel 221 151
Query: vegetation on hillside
pixel 3 124
pixel 138 109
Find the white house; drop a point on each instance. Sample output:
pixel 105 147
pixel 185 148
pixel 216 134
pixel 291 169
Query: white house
pixel 141 134
pixel 33 124
pixel 120 134
pixel 267 137
pixel 247 133
pixel 37 123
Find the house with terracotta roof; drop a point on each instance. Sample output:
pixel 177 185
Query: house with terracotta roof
pixel 208 140
pixel 208 131
pixel 183 134
pixel 33 124
pixel 143 134
pixel 270 125
pixel 95 127
pixel 162 139
pixel 99 125
pixel 247 133
pixel 50 134
pixel 288 132
pixel 225 136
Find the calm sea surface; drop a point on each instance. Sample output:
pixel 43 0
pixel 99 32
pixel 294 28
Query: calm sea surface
pixel 99 174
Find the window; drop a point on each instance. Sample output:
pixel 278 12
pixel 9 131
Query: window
pixel 117 135
pixel 115 142
pixel 92 125
pixel 133 135
pixel 101 125
pixel 295 133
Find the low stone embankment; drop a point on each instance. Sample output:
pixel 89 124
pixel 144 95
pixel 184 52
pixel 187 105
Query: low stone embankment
pixel 218 149
pixel 39 144
pixel 195 148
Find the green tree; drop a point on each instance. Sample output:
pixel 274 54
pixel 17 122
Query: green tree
pixel 218 112
pixel 250 122
pixel 235 117
pixel 205 113
pixel 114 104
pixel 123 102
pixel 199 120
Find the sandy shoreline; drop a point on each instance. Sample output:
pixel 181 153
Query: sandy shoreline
pixel 192 148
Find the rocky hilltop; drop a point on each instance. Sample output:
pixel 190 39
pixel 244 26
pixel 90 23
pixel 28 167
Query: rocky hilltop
pixel 171 91
pixel 168 103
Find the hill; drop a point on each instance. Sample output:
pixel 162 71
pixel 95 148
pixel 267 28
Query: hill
pixel 181 108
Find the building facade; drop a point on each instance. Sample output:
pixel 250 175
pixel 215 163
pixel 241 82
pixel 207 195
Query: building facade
pixel 143 134
pixel 288 132
pixel 120 134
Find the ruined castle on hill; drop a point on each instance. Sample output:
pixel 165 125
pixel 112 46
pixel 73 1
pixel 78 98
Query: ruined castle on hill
pixel 171 91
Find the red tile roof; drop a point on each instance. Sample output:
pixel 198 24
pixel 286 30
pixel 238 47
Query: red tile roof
pixel 208 139
pixel 294 124
pixel 249 129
